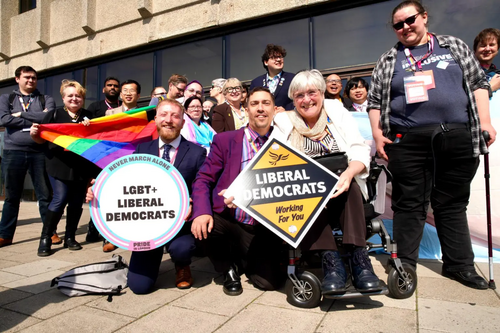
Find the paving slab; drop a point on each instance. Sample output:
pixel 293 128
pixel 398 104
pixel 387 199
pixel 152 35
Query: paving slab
pixel 203 264
pixel 142 304
pixel 359 317
pixel 49 304
pixel 7 263
pixel 446 316
pixel 82 319
pixel 386 301
pixel 11 295
pixel 278 299
pixel 450 290
pixel 184 320
pixel 34 284
pixel 212 299
pixel 260 318
pixel 38 267
pixel 14 322
pixel 6 277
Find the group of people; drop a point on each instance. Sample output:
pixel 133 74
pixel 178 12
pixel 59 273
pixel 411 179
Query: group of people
pixel 429 91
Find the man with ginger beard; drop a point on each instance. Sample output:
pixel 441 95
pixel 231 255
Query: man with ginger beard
pixel 187 158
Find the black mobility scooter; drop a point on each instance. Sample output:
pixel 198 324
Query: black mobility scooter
pixel 303 288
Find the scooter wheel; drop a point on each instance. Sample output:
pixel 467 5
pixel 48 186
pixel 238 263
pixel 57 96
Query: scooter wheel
pixel 398 288
pixel 309 293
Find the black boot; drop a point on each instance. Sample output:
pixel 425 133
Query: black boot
pixel 232 282
pixel 72 219
pixel 49 225
pixel 363 277
pixel 335 276
pixel 93 235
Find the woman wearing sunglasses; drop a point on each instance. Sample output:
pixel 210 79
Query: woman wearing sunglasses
pixel 428 104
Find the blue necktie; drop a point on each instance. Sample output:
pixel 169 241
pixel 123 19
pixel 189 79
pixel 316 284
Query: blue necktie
pixel 166 150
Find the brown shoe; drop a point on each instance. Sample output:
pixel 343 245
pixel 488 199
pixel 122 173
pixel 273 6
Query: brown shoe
pixel 56 239
pixel 108 247
pixel 183 278
pixel 5 242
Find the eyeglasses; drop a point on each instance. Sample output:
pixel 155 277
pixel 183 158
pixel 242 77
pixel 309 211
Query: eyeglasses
pixel 129 91
pixel 197 107
pixel 276 57
pixel 160 93
pixel 409 21
pixel 311 93
pixel 180 89
pixel 233 89
pixel 333 81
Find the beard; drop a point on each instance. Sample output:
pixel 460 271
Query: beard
pixel 111 97
pixel 168 135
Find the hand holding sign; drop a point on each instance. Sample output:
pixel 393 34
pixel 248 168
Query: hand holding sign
pixel 284 190
pixel 139 202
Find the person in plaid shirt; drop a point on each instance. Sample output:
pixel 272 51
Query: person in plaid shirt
pixel 431 91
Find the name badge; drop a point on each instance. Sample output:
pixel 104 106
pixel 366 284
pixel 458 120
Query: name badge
pixel 428 78
pixel 415 89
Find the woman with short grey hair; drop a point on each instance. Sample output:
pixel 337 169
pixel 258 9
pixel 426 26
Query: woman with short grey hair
pixel 318 127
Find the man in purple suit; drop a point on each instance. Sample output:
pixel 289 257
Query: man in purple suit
pixel 234 238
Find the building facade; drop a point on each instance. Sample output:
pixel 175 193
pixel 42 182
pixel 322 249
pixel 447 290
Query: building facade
pixel 148 40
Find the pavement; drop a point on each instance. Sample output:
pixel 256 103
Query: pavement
pixel 29 304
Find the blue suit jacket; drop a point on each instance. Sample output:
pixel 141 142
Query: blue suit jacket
pixel 220 169
pixel 188 160
pixel 281 92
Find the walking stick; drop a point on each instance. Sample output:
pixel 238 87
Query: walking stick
pixel 491 283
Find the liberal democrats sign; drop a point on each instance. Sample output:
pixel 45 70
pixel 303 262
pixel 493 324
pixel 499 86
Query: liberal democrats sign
pixel 283 189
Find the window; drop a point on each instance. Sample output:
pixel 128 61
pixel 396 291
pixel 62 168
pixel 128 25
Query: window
pixel 354 36
pixel 246 48
pixel 25 5
pixel 138 68
pixel 200 61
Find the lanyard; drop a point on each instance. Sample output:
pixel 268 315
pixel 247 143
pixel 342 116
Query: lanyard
pixel 322 142
pixel 25 107
pixel 109 105
pixel 411 59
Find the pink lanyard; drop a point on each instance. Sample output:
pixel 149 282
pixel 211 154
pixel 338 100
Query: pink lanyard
pixel 411 59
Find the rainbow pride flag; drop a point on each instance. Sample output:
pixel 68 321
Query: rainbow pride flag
pixel 106 138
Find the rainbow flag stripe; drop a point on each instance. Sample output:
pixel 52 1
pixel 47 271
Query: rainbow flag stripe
pixel 106 138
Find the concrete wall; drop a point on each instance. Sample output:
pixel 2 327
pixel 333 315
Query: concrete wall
pixel 61 32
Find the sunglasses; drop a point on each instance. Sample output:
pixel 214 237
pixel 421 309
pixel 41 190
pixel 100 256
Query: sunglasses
pixel 409 21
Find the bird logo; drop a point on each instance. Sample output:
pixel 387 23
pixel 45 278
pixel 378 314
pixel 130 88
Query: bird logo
pixel 276 158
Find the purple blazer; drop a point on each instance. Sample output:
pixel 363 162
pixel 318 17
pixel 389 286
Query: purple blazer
pixel 220 169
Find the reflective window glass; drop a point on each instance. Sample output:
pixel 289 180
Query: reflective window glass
pixel 138 68
pixel 353 36
pixel 245 48
pixel 8 89
pixel 53 86
pixel 200 61
pixel 462 18
pixel 94 88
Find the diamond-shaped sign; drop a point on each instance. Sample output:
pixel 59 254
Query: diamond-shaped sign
pixel 283 189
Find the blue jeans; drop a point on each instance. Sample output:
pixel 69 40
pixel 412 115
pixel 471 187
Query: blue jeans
pixel 71 193
pixel 15 164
